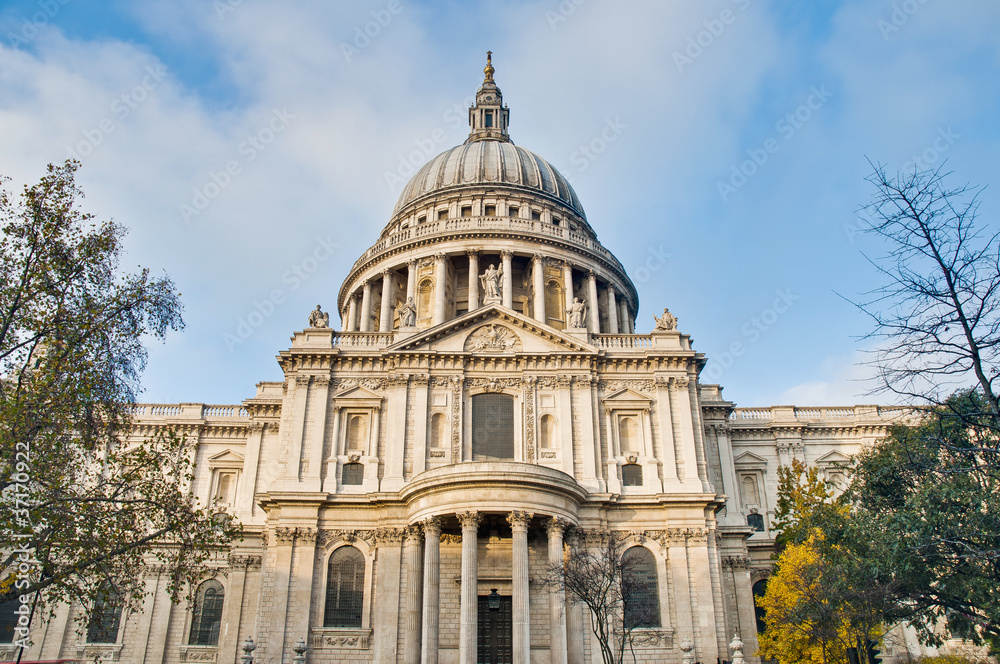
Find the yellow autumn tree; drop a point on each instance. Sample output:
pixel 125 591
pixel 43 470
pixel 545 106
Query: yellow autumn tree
pixel 803 624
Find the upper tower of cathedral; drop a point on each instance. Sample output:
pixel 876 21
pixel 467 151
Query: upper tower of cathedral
pixel 487 204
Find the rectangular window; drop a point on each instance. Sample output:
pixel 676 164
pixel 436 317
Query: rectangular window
pixel 513 210
pixel 489 119
pixel 535 215
pixel 492 427
pixel 490 211
pixel 421 219
pixel 442 214
pixel 466 210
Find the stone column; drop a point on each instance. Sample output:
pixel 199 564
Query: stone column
pixel 473 279
pixel 557 599
pixel 538 286
pixel 612 311
pixel 469 620
pixel 521 629
pixel 411 280
pixel 388 572
pixel 352 313
pixel 432 590
pixel 595 313
pixel 440 276
pixel 508 279
pixel 623 325
pixel 568 283
pixel 365 324
pixel 385 314
pixel 680 399
pixel 414 582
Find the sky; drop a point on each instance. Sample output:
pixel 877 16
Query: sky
pixel 720 148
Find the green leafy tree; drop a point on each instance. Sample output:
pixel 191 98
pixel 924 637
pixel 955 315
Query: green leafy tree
pixel 84 504
pixel 929 491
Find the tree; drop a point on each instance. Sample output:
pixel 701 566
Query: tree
pixel 830 591
pixel 610 582
pixel 85 504
pixel 937 315
pixel 929 491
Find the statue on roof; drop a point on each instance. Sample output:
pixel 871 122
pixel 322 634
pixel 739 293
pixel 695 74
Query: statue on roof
pixel 667 322
pixel 407 312
pixel 319 318
pixel 490 280
pixel 577 310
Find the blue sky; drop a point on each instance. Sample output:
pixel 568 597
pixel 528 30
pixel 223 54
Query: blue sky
pixel 159 98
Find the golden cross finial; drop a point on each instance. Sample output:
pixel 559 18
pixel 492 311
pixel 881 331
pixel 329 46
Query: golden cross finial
pixel 489 67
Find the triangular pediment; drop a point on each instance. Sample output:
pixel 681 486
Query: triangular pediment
pixel 358 393
pixel 749 459
pixel 833 458
pixel 226 456
pixel 492 330
pixel 626 395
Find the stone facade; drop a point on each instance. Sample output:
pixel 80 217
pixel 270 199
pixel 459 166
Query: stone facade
pixel 459 434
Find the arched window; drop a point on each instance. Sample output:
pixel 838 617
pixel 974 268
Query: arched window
pixel 345 587
pixel 105 617
pixel 759 589
pixel 353 474
pixel 425 297
pixel 492 427
pixel 547 431
pixel 207 614
pixel 750 496
pixel 8 619
pixel 438 433
pixel 642 604
pixel 555 304
pixel 357 432
pixel 631 474
pixel 628 434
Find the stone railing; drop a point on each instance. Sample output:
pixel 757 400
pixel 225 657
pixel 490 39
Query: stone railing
pixel 622 341
pixel 189 411
pixel 812 414
pixel 478 224
pixel 367 340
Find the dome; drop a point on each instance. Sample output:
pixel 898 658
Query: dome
pixel 489 162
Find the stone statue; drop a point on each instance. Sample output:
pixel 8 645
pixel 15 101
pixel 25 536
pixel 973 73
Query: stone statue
pixel 319 318
pixel 577 311
pixel 687 651
pixel 666 322
pixel 490 280
pixel 407 312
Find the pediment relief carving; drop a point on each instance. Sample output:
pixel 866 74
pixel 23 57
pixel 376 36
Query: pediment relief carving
pixel 493 338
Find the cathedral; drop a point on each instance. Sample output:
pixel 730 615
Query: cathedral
pixel 486 408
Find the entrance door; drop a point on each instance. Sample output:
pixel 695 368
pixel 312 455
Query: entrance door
pixel 495 632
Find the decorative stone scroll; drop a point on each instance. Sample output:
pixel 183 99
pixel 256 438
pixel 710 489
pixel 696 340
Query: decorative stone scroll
pixel 288 535
pixel 339 638
pixel 249 562
pixel 493 338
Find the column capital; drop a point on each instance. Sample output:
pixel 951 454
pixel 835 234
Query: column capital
pixel 591 274
pixel 413 534
pixel 386 272
pixel 556 526
pixel 472 253
pixel 431 526
pixel 519 520
pixel 440 257
pixel 469 520
pixel 412 263
pixel 566 265
pixel 506 254
pixel 538 258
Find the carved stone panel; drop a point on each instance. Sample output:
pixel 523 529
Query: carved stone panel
pixel 493 338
